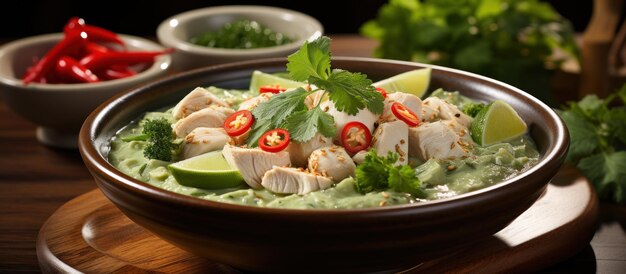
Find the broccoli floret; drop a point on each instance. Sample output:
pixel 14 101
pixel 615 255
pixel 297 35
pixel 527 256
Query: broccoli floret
pixel 160 139
pixel 472 109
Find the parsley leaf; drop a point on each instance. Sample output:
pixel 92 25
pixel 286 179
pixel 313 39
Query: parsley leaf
pixel 351 92
pixel 379 173
pixel 311 60
pixel 304 124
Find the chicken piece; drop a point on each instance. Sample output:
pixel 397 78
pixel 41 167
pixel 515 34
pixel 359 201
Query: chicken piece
pixel 299 152
pixel 253 163
pixel 289 180
pixel 333 162
pixel 359 157
pixel 410 101
pixel 364 116
pixel 441 140
pixel 394 137
pixel 253 102
pixel 207 117
pixel 313 99
pixel 202 140
pixel 197 99
pixel 446 111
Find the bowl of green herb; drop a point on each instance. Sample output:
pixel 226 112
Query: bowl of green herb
pixel 224 34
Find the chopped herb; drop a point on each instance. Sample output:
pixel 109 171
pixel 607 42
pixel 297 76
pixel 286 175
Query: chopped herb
pixel 472 109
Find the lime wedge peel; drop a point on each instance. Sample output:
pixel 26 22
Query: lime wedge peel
pixel 414 82
pixel 496 123
pixel 260 79
pixel 208 171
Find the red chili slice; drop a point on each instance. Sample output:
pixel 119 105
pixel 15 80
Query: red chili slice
pixel 271 89
pixel 406 115
pixel 274 140
pixel 382 91
pixel 355 137
pixel 238 123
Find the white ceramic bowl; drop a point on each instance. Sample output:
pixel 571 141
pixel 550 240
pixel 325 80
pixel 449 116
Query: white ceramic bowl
pixel 177 30
pixel 59 109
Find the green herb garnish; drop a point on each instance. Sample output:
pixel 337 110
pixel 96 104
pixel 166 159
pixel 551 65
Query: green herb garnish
pixel 350 92
pixel 379 173
pixel 597 130
pixel 241 34
pixel 472 109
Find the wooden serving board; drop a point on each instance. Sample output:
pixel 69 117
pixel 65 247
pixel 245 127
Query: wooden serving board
pixel 89 234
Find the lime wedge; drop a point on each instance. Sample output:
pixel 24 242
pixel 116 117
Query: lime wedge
pixel 497 122
pixel 209 171
pixel 414 82
pixel 260 79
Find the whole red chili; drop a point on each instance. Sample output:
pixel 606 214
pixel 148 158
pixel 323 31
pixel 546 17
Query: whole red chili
pixel 101 60
pixel 72 42
pixel 96 34
pixel 69 68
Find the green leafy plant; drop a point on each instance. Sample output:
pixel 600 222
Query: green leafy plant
pixel 597 130
pixel 509 40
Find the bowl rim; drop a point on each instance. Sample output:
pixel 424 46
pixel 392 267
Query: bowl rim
pixel 166 37
pixel 97 163
pixel 160 65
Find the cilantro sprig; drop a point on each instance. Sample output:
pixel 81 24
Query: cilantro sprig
pixel 379 173
pixel 597 130
pixel 350 92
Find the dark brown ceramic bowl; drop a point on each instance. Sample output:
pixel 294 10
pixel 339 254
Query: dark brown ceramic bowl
pixel 264 239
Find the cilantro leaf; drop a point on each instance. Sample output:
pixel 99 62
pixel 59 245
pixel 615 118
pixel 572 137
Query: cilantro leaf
pixel 272 114
pixel 607 171
pixel 583 137
pixel 403 179
pixel 303 125
pixel 351 92
pixel 373 173
pixel 311 60
pixel 379 173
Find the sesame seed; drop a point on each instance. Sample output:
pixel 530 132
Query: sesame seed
pixel 382 203
pixel 451 167
pixel 402 141
pixel 385 194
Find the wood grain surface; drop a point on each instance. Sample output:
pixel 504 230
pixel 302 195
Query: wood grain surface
pixel 557 226
pixel 36 180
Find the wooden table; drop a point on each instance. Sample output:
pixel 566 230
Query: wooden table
pixel 35 180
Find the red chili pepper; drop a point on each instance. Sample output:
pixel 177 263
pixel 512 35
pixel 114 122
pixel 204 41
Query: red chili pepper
pixel 116 72
pixel 72 42
pixel 102 60
pixel 275 89
pixel 238 123
pixel 406 115
pixel 69 68
pixel 382 91
pixel 92 47
pixel 274 140
pixel 355 136
pixel 96 34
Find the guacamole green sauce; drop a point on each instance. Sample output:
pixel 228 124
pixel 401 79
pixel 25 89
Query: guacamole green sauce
pixel 487 166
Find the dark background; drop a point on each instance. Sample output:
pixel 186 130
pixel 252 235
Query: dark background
pixel 26 18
